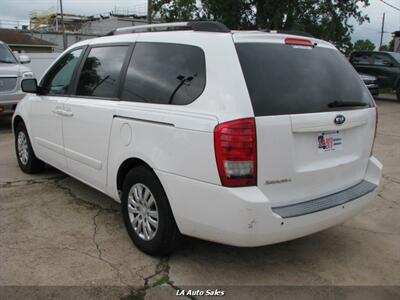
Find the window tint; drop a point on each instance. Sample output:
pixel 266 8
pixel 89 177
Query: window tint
pixel 165 74
pixel 101 72
pixel 361 58
pixel 58 80
pixel 383 60
pixel 284 79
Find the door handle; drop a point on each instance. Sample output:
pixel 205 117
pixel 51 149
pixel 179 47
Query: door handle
pixel 68 113
pixel 58 112
pixel 64 113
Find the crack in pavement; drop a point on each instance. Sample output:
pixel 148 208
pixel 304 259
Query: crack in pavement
pixel 388 178
pixel 26 182
pixel 81 200
pixel 99 252
pixel 370 231
pixel 162 269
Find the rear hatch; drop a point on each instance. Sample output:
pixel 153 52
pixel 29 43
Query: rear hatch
pixel 315 118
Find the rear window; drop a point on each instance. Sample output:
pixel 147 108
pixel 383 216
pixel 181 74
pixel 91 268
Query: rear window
pixel 285 79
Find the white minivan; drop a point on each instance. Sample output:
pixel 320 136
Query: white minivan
pixel 242 138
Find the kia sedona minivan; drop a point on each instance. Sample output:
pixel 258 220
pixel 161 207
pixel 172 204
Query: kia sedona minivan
pixel 241 138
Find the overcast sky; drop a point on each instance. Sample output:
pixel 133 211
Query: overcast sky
pixel 20 9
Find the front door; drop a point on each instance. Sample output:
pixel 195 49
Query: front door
pixel 47 109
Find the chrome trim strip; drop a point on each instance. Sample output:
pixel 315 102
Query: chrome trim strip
pixel 145 121
pixel 322 203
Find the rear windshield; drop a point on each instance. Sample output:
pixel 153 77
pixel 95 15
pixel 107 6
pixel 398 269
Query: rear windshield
pixel 285 79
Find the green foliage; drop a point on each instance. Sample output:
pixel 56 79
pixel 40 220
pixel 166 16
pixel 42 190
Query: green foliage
pixel 389 47
pixel 175 10
pixel 326 19
pixel 364 45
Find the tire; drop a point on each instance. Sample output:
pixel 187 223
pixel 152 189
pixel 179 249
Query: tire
pixel 398 93
pixel 143 198
pixel 26 158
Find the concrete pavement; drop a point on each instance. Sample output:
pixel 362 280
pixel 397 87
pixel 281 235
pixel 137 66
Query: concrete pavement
pixel 57 233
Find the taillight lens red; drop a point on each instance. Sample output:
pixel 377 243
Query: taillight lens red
pixel 235 145
pixel 376 130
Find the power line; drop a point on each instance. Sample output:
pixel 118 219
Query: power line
pixel 391 5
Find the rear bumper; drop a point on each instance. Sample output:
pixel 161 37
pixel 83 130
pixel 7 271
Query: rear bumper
pixel 244 217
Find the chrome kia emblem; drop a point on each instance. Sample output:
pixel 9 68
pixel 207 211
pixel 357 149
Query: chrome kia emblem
pixel 340 119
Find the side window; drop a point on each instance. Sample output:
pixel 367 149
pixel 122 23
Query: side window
pixel 101 72
pixel 165 74
pixel 58 80
pixel 382 60
pixel 361 59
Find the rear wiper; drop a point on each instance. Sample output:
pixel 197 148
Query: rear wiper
pixel 347 104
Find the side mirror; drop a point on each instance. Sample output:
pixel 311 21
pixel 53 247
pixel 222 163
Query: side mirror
pixel 24 59
pixel 29 86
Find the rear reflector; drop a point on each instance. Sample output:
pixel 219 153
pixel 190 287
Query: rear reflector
pixel 236 152
pixel 299 42
pixel 1 109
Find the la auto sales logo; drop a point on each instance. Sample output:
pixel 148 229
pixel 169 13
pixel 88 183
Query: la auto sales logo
pixel 205 293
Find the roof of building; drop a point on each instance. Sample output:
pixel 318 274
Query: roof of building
pixel 13 37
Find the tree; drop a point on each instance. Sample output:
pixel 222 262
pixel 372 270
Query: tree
pixel 364 45
pixel 175 10
pixel 236 14
pixel 326 19
pixel 389 47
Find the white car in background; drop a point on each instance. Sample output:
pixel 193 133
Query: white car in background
pixel 12 71
pixel 242 138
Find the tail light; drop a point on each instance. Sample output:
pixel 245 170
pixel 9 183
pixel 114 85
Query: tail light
pixel 298 42
pixel 236 152
pixel 376 129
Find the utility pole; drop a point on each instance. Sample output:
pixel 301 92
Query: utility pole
pixel 65 44
pixel 56 17
pixel 149 11
pixel 382 31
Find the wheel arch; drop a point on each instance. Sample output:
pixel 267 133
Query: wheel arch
pixel 17 120
pixel 127 165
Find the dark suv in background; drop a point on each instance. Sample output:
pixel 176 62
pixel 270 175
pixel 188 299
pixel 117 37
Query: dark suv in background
pixel 385 66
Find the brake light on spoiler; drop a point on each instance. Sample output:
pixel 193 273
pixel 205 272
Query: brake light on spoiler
pixel 298 42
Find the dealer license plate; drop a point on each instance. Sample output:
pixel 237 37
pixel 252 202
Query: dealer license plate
pixel 330 141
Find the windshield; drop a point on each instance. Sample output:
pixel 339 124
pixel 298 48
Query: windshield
pixel 285 79
pixel 6 55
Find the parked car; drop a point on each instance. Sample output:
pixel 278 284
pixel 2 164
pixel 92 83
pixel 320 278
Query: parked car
pixel 11 73
pixel 242 138
pixel 383 65
pixel 372 84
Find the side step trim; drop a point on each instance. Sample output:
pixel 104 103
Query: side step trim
pixel 322 203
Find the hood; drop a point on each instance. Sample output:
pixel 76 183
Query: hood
pixel 13 69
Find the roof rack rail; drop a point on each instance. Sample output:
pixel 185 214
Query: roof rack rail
pixel 207 26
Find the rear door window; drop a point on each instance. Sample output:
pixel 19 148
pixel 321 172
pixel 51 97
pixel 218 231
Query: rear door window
pixel 101 72
pixel 361 58
pixel 165 73
pixel 284 79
